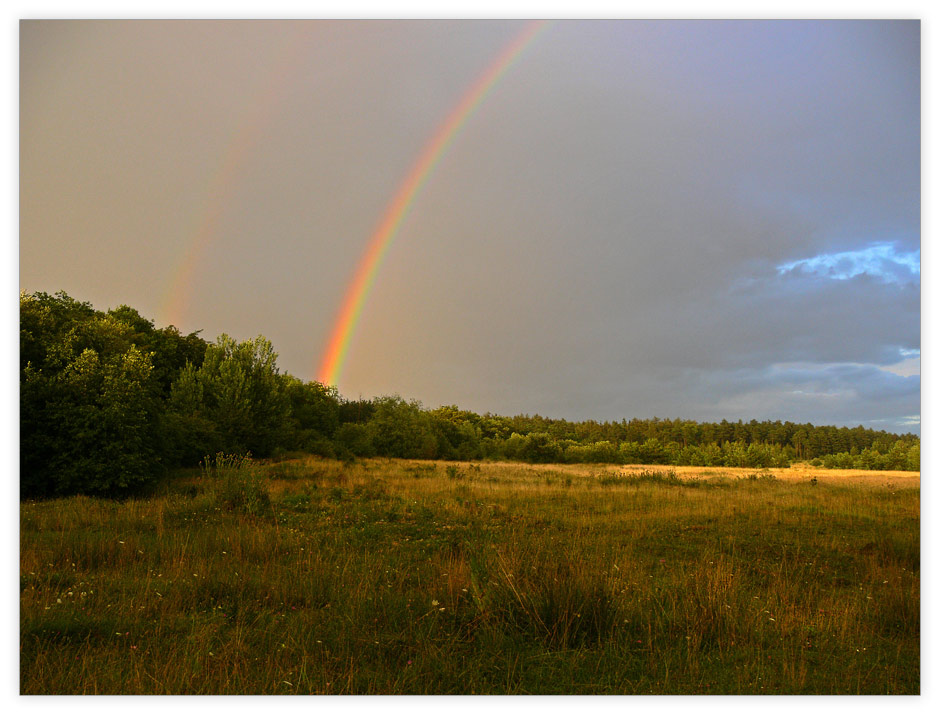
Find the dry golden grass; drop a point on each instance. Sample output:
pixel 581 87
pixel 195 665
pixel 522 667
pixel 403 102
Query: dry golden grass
pixel 398 576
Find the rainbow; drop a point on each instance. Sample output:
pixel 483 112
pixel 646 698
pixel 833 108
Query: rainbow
pixel 347 319
pixel 255 119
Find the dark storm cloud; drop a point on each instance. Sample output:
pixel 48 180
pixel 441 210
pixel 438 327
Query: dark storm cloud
pixel 641 218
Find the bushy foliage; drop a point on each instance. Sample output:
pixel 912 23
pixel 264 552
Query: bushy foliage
pixel 238 484
pixel 314 413
pixel 902 455
pixel 239 392
pixel 88 401
pixel 400 429
pixel 354 439
pixel 107 401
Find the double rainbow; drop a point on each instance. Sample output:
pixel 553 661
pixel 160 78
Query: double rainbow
pixel 357 293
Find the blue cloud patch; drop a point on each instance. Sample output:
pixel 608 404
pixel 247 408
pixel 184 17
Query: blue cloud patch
pixel 879 260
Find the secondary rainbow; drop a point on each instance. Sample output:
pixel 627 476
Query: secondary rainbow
pixel 255 119
pixel 334 358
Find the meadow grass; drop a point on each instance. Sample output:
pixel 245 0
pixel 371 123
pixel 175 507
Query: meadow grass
pixel 391 576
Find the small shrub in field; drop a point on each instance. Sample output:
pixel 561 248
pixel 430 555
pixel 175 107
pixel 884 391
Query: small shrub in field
pixel 239 484
pixel 647 476
pixel 215 467
pixel 762 476
pixel 453 472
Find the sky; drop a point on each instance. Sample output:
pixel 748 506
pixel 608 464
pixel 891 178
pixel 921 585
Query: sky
pixel 699 219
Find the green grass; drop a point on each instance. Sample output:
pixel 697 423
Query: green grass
pixel 389 577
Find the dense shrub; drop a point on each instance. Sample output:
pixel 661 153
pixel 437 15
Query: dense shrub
pixel 89 402
pixel 238 484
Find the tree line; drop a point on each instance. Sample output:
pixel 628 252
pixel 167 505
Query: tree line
pixel 109 402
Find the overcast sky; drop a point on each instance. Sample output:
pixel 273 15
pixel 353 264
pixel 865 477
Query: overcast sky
pixel 700 219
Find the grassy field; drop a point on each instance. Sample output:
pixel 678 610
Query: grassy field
pixel 382 577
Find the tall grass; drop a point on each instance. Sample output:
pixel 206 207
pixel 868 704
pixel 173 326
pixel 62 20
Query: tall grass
pixel 404 577
pixel 238 484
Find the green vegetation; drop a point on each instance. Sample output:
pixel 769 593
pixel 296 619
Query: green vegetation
pixel 109 403
pixel 385 576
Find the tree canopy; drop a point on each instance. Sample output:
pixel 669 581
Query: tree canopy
pixel 108 402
